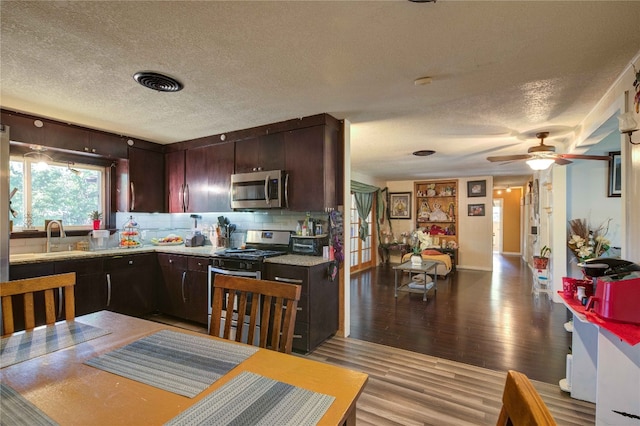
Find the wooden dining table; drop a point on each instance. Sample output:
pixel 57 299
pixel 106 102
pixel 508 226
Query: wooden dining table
pixel 70 392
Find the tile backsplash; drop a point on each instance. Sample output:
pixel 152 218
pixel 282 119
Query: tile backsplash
pixel 157 225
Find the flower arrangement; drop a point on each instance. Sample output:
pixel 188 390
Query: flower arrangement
pixel 586 242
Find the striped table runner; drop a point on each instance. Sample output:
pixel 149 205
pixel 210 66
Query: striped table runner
pixel 15 410
pixel 177 362
pixel 26 345
pixel 251 399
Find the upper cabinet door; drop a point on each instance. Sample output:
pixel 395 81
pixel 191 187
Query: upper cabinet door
pixel 208 173
pixel 146 174
pixel 260 153
pixel 311 162
pixel 175 181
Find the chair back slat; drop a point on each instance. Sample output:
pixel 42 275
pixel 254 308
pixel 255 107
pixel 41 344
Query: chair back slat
pixel 521 403
pixel 27 288
pixel 268 300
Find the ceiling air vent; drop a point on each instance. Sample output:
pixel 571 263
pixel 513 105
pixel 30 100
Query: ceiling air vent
pixel 159 82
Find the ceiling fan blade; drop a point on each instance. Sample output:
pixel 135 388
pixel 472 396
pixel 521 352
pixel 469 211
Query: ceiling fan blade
pixel 500 158
pixel 562 162
pixel 585 157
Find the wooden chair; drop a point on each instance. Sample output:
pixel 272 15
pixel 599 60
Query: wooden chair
pixel 521 403
pixel 27 288
pixel 276 310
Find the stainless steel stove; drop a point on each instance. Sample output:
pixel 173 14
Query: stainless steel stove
pixel 248 261
pixel 259 246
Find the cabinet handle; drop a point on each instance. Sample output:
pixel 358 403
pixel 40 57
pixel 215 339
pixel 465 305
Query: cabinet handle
pixel 288 280
pixel 186 197
pixel 108 290
pixel 131 262
pixel 133 197
pixel 181 197
pixel 297 336
pixel 286 190
pixel 170 260
pixel 184 276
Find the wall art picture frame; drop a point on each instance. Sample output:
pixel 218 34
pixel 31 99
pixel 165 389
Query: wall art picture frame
pixel 477 188
pixel 400 205
pixel 475 210
pixel 615 174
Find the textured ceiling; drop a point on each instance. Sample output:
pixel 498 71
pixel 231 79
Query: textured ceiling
pixel 500 71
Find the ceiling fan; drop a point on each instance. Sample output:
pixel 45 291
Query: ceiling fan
pixel 540 157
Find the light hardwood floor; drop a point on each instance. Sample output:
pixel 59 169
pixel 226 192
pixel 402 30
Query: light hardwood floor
pixel 407 388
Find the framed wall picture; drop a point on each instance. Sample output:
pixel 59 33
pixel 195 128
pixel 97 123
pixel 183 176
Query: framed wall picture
pixel 476 210
pixel 400 205
pixel 615 174
pixel 477 188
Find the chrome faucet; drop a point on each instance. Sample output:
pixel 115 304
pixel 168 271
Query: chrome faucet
pixel 62 233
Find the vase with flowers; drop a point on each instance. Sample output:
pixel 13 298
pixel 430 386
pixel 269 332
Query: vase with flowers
pixel 416 256
pixel 542 261
pixel 586 242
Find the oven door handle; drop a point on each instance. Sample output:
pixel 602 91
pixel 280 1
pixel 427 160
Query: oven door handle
pixel 255 274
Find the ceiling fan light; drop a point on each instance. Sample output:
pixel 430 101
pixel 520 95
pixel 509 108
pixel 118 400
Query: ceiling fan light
pixel 540 163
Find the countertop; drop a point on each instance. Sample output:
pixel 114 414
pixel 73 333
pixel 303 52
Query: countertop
pixel 27 258
pixel 297 259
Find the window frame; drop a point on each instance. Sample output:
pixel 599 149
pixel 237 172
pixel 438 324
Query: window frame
pixel 75 162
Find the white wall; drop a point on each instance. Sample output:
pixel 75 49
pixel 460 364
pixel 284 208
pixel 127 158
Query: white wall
pixel 587 195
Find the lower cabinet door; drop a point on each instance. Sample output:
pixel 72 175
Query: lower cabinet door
pixel 130 282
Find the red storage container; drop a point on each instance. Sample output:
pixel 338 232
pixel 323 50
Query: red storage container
pixel 617 300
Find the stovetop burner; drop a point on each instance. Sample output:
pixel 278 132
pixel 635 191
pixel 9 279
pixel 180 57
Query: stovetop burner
pixel 248 254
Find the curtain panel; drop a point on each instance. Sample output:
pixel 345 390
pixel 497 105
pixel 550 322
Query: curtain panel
pixel 364 195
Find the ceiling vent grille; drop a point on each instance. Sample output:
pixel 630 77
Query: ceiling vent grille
pixel 158 82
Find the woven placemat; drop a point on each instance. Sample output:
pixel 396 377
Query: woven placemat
pixel 16 410
pixel 177 362
pixel 251 399
pixel 23 346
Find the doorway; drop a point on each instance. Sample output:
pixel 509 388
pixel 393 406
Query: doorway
pixel 497 224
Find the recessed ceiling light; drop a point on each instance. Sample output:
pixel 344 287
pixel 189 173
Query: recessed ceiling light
pixel 422 81
pixel 424 153
pixel 158 82
pixel 422 1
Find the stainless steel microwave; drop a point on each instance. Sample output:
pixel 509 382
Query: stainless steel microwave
pixel 259 190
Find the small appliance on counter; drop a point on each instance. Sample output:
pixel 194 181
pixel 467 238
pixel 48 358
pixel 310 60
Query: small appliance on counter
pixel 309 245
pixel 617 289
pixel 195 237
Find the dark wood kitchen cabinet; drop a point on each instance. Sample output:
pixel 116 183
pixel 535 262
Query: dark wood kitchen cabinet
pixel 63 136
pixel 317 316
pixel 146 174
pixel 196 308
pixel 171 291
pixel 208 173
pixel 175 184
pixel 260 153
pixel 91 285
pixel 131 283
pixel 183 288
pixel 312 164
